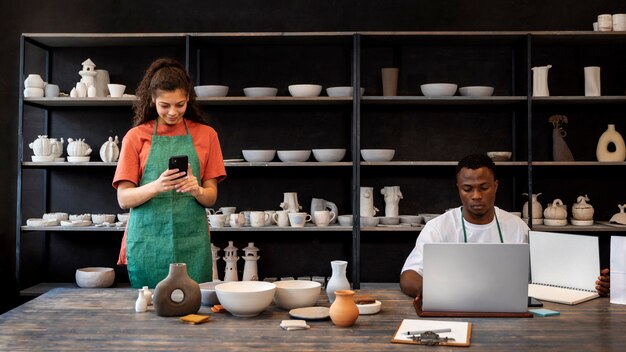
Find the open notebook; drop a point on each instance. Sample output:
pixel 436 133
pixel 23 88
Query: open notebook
pixel 564 267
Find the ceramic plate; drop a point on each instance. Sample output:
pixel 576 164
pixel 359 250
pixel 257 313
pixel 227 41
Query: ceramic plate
pixel 310 313
pixel 233 160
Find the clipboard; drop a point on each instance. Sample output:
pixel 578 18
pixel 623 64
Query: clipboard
pixel 461 331
pixel 417 304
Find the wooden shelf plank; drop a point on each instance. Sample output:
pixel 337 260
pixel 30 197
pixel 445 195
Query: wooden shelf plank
pixel 572 100
pixel 434 163
pixel 32 164
pixel 578 163
pixel 79 102
pixel 597 227
pixel 274 228
pixel 275 101
pixel 286 164
pixel 454 100
pixel 73 228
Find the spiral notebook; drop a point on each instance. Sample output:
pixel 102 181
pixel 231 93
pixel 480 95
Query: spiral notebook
pixel 564 267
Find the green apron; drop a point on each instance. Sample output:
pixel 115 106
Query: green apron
pixel 171 227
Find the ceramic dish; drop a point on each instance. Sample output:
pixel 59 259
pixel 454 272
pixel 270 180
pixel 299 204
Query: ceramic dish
pixel 555 222
pixel 293 155
pixel 310 313
pixel 329 155
pixel 41 159
pixel 78 159
pixel 377 155
pixel 438 89
pixel 476 91
pixel 371 308
pixel 263 155
pixel 76 223
pixel 42 222
pixel 305 90
pixel 582 222
pixel 211 91
pixel 257 92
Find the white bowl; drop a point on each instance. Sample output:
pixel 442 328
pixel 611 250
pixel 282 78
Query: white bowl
pixel 78 159
pixel 116 90
pixel 211 91
pixel 500 156
pixel 245 298
pixel 387 220
pixel 438 89
pixel 411 219
pixel 292 294
pixel 345 220
pixel 341 91
pixel 36 222
pixel 377 154
pixel 100 218
pixel 329 155
pixel 255 92
pixel 294 155
pixel 263 155
pixel 56 216
pixel 86 217
pixel 370 308
pixel 476 91
pixel 369 221
pixel 123 217
pixel 95 277
pixel 305 90
pixel 209 296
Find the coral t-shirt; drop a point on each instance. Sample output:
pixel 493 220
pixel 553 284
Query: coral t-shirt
pixel 136 148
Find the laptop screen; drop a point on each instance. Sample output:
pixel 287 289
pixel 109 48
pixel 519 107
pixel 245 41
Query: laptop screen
pixel 475 277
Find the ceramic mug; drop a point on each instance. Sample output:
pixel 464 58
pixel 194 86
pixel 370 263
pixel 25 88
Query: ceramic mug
pixel 324 217
pixel 217 220
pixel 210 211
pixel 258 218
pixel 605 23
pixel 298 219
pixel 51 91
pixel 270 220
pixel 246 218
pixel 281 218
pixel 619 22
pixel 226 210
pixel 236 220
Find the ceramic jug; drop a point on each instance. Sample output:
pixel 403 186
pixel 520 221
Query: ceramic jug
pixel 611 136
pixel 41 146
pixel 344 312
pixel 290 202
pixel 250 267
pixel 392 199
pixel 57 147
pixel 77 147
pixel 177 280
pixel 338 279
pixel 367 202
pixel 109 151
pixel 557 210
pixel 536 207
pixel 318 204
pixel 581 210
pixel 540 81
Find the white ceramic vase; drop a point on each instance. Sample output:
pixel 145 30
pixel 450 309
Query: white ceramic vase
pixel 109 151
pixel 611 136
pixel 367 202
pixel 338 279
pixel 392 200
pixel 34 81
pixel 540 81
pixel 592 81
pixel 141 304
pixel 102 81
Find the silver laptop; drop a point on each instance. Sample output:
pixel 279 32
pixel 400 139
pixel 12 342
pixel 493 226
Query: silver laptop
pixel 475 277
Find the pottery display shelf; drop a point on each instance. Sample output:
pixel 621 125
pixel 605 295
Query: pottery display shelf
pixel 32 164
pixel 285 164
pixel 432 163
pixel 604 228
pixel 447 100
pixel 274 228
pixel 80 102
pixel 90 228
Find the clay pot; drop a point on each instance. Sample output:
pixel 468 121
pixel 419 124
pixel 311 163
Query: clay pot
pixel 581 210
pixel 177 279
pixel 536 207
pixel 556 211
pixel 344 312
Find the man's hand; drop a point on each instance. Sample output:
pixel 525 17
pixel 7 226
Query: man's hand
pixel 603 285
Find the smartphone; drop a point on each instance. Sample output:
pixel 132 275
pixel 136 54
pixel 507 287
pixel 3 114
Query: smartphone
pixel 179 162
pixel 533 302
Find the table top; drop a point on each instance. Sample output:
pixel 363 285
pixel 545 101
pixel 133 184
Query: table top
pixel 105 319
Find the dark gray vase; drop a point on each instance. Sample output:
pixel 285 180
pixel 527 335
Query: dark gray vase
pixel 560 150
pixel 177 279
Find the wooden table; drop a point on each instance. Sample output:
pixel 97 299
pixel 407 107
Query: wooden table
pixel 104 319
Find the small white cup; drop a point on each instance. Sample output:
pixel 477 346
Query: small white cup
pixel 116 90
pixel 605 23
pixel 217 220
pixel 236 220
pixel 258 218
pixel 51 91
pixel 281 218
pixel 324 217
pixel 595 26
pixel 298 219
pixel 270 220
pixel 246 217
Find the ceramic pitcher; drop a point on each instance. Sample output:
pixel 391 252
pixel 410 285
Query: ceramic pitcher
pixel 318 204
pixel 367 202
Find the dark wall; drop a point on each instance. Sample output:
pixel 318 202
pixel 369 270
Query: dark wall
pixel 242 16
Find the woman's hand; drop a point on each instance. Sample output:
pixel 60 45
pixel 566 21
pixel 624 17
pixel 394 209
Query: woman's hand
pixel 168 180
pixel 188 184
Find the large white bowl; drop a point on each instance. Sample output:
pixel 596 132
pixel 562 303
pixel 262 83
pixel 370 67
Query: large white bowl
pixel 263 155
pixel 378 154
pixel 476 91
pixel 500 155
pixel 294 155
pixel 95 277
pixel 245 298
pixel 438 89
pixel 256 92
pixel 305 90
pixel 329 155
pixel 342 91
pixel 211 91
pixel 292 294
pixel 209 296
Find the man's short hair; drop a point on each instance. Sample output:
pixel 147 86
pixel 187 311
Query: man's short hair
pixel 476 161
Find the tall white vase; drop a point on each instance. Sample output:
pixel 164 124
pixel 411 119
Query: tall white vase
pixel 540 81
pixel 611 136
pixel 392 200
pixel 592 81
pixel 338 279
pixel 367 201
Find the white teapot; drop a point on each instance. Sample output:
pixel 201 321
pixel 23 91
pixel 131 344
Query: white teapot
pixel 77 147
pixel 41 146
pixel 109 151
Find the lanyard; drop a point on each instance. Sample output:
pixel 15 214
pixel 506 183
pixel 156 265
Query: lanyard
pixel 465 232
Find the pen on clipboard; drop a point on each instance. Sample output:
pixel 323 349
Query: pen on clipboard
pixel 436 331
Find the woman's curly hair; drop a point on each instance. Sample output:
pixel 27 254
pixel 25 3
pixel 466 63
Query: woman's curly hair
pixel 165 75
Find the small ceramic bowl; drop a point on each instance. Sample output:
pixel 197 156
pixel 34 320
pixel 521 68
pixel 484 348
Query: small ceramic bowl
pixel 305 90
pixel 411 219
pixel 386 220
pixel 500 156
pixel 377 155
pixel 209 296
pixel 369 221
pixel 342 91
pixel 428 217
pixel 261 155
pixel 329 155
pixel 56 216
pixel 371 308
pixel 294 155
pixel 476 91
pixel 438 89
pixel 123 217
pixel 92 277
pixel 80 217
pixel 36 222
pixel 211 91
pixel 345 220
pixel 257 92
pixel 116 90
pixel 102 218
pixel 292 294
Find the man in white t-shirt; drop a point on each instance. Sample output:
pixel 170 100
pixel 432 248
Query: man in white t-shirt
pixel 476 221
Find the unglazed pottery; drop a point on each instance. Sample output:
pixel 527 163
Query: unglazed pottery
pixel 367 202
pixel 581 210
pixel 555 211
pixel 298 219
pixel 536 207
pixel 177 280
pixel 141 304
pixel 34 81
pixel 93 277
pixel 392 200
pixel 41 146
pixel 323 217
pixel 215 257
pixel 292 294
pixel 344 312
pixel 290 202
pixel 231 258
pixel 390 81
pixel 611 136
pixel 620 217
pixel 592 81
pixel 540 81
pixel 56 147
pixel 77 147
pixel 318 204
pixel 109 151
pixel 250 272
pixel 338 279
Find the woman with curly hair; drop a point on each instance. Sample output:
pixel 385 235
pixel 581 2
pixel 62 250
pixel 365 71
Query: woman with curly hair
pixel 167 206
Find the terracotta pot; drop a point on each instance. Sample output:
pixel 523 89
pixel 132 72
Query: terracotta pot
pixel 344 312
